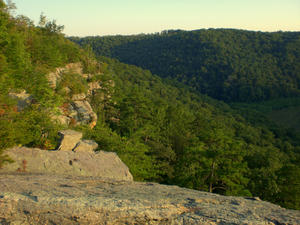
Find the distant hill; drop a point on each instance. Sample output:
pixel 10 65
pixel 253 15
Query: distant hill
pixel 230 65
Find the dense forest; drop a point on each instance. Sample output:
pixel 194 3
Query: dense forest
pixel 230 65
pixel 161 129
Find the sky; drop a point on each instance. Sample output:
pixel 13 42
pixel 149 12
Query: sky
pixel 111 17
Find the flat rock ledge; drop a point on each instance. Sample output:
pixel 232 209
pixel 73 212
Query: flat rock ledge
pixel 73 163
pixel 27 198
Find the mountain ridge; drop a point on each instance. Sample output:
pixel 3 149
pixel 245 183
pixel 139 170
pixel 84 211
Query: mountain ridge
pixel 227 64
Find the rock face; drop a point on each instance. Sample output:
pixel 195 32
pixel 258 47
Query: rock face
pixel 83 112
pixel 86 146
pixel 56 75
pixel 79 163
pixel 69 139
pixel 79 110
pixel 51 199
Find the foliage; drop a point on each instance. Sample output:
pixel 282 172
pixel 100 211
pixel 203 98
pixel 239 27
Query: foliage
pixel 231 65
pixel 195 141
pixel 75 82
pixel 27 54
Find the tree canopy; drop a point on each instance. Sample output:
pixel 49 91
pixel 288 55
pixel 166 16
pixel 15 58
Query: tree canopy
pixel 230 65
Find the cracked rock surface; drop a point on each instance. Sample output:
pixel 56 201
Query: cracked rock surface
pixel 78 163
pixel 27 198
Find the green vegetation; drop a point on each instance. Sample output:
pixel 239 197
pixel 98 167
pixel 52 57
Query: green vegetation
pixel 284 112
pixel 163 132
pixel 171 135
pixel 202 143
pixel 230 65
pixel 27 54
pixel 75 82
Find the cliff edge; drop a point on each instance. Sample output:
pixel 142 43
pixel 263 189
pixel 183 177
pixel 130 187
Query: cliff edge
pixel 27 198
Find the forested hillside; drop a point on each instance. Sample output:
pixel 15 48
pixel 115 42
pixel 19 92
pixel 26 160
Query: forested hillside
pixel 230 65
pixel 27 54
pixel 176 137
pixel 163 133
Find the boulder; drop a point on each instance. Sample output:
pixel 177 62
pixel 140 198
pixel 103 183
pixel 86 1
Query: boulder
pixel 79 163
pixel 86 146
pixel 24 99
pixel 69 140
pixel 84 112
pixel 54 199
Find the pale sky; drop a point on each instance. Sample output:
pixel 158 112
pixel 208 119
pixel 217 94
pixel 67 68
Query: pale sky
pixel 110 17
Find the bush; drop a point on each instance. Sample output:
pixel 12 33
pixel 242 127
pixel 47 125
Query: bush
pixel 75 82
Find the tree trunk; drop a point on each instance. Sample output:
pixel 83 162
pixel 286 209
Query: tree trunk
pixel 211 177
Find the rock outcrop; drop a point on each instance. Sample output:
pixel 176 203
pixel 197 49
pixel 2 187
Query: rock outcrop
pixel 69 139
pixel 85 146
pixel 56 75
pixel 51 199
pixel 73 157
pixel 73 163
pixel 78 110
pixel 82 112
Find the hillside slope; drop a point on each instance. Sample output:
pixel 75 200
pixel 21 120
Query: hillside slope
pixel 231 65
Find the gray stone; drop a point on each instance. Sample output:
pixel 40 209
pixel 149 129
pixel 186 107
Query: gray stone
pixel 79 110
pixel 86 146
pixel 24 99
pixel 52 199
pixel 85 112
pixel 69 139
pixel 96 164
